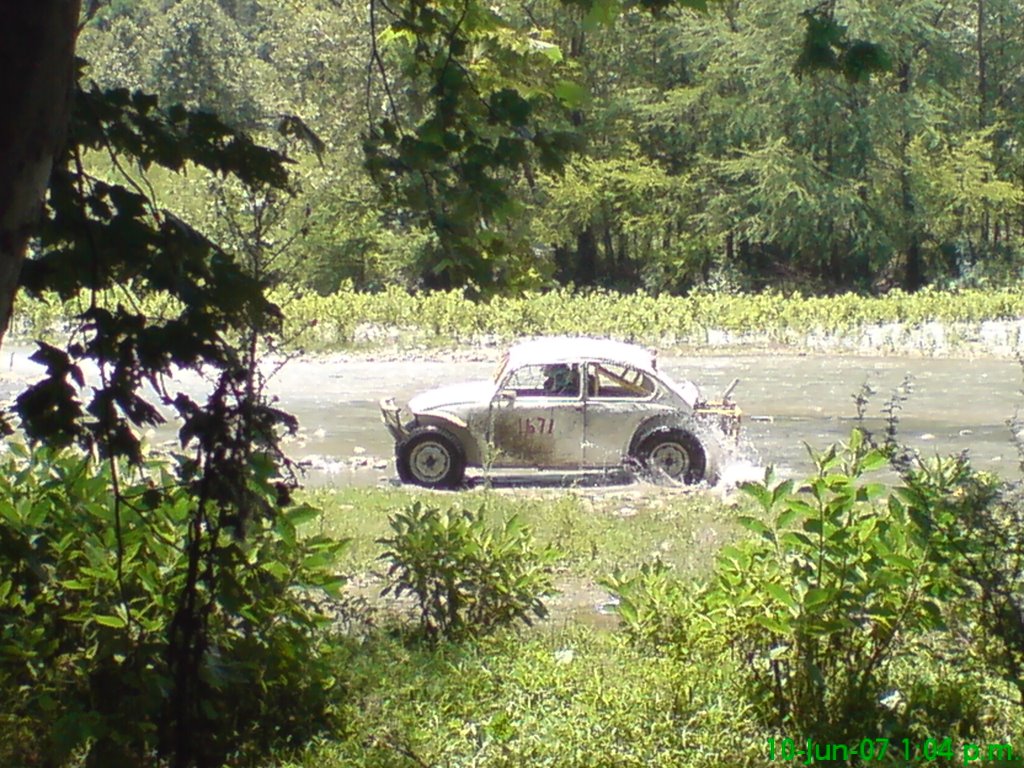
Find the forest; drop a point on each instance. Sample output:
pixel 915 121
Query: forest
pixel 203 190
pixel 850 147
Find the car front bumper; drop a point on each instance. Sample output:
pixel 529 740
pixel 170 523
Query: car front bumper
pixel 390 414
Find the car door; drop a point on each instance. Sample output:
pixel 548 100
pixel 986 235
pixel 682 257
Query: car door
pixel 537 421
pixel 618 399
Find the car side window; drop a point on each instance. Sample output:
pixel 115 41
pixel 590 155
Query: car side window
pixel 608 381
pixel 557 380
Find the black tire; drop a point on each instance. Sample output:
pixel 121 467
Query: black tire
pixel 432 458
pixel 673 456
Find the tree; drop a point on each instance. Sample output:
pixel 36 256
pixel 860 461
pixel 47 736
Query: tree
pixel 99 235
pixel 37 47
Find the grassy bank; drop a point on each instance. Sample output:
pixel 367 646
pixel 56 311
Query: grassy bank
pixel 570 694
pixel 562 693
pixel 565 698
pixel 575 697
pixel 595 533
pixel 840 609
pixel 926 322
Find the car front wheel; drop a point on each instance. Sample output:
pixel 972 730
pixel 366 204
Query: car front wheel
pixel 432 458
pixel 673 456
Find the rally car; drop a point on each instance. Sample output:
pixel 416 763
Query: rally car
pixel 564 403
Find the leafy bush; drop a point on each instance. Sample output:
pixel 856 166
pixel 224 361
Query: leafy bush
pixel 449 317
pixel 88 589
pixel 976 526
pixel 467 576
pixel 843 583
pixel 651 603
pixel 826 596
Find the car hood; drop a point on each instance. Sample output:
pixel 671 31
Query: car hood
pixel 469 393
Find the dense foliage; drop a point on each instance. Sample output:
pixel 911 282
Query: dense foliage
pixel 846 585
pixel 102 234
pixel 348 318
pixel 89 591
pixel 848 610
pixel 172 613
pixel 843 147
pixel 467 576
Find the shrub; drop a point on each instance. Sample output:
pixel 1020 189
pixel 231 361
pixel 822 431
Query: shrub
pixel 467 576
pixel 449 317
pixel 842 581
pixel 651 603
pixel 976 526
pixel 826 595
pixel 88 589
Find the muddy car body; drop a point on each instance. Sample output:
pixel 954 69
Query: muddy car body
pixel 563 403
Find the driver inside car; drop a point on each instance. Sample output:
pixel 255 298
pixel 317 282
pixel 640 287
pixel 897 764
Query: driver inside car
pixel 562 380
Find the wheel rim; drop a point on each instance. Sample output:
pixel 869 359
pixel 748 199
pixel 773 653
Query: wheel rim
pixel 671 459
pixel 430 462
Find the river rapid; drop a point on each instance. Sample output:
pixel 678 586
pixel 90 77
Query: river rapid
pixel 789 400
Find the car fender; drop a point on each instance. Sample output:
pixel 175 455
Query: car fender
pixel 713 451
pixel 446 417
pixel 662 423
pixel 458 429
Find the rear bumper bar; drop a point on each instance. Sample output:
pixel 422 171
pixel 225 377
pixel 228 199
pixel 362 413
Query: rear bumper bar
pixel 727 416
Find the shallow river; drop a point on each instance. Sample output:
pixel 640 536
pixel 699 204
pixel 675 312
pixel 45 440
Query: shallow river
pixel 788 400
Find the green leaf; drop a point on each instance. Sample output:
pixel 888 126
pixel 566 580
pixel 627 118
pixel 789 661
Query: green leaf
pixel 550 50
pixel 572 95
pixel 781 491
pixel 782 595
pixel 796 540
pixel 873 460
pixel 602 12
pixel 778 626
pixel 817 596
pixel 110 621
pixel 900 561
pixel 734 555
pixel 301 514
pixel 754 525
pixel 795 508
pixel 627 611
pixel 759 492
pixel 276 569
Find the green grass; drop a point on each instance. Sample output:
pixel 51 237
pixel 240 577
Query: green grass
pixel 562 693
pixel 596 532
pixel 564 698
pixel 576 697
pixel 568 694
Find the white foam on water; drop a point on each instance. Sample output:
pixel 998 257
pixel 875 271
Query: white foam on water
pixel 740 471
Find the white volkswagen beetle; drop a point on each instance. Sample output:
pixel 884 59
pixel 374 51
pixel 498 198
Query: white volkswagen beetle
pixel 563 403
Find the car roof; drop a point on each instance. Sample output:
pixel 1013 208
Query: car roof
pixel 573 349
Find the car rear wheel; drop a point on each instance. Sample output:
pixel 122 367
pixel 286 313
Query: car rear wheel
pixel 432 458
pixel 673 456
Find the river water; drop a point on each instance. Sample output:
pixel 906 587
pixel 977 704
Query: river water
pixel 788 399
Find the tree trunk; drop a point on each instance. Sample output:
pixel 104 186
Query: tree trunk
pixel 982 68
pixel 586 257
pixel 37 46
pixel 913 273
